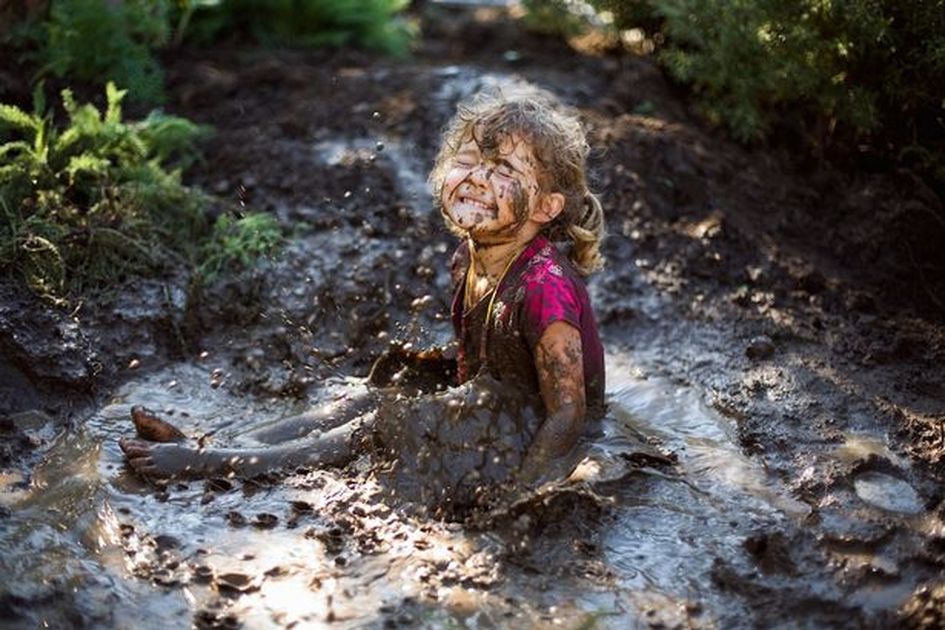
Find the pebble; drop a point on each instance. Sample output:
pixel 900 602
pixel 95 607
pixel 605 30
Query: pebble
pixel 760 347
pixel 887 492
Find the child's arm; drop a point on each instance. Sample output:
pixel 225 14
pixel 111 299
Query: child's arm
pixel 560 365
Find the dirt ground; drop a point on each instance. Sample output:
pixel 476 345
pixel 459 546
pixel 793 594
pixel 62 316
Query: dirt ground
pixel 807 301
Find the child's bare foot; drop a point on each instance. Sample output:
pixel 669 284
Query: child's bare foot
pixel 150 427
pixel 161 460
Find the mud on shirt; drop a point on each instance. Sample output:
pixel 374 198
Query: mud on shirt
pixel 541 287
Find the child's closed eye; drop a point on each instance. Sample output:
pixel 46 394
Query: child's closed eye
pixel 466 158
pixel 505 169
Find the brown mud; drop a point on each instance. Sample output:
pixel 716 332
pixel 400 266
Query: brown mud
pixel 805 302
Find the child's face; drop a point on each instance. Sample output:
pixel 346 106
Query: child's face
pixel 491 196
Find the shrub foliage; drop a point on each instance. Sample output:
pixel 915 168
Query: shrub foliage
pixel 98 41
pixel 101 199
pixel 95 41
pixel 842 72
pixel 372 24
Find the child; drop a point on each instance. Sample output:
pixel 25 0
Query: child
pixel 510 180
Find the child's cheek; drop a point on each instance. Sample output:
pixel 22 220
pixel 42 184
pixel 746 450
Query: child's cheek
pixel 518 199
pixel 465 216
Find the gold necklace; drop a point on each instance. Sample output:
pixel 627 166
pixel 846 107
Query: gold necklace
pixel 468 301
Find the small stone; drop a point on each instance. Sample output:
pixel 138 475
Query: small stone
pixel 760 347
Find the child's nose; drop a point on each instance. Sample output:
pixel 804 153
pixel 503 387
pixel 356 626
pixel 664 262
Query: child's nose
pixel 478 176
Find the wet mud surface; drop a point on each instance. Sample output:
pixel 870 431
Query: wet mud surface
pixel 789 358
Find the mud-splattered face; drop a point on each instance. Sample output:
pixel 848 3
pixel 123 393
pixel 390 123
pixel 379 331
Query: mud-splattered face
pixel 491 194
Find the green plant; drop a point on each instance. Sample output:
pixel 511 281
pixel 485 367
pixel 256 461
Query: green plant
pixel 99 41
pixel 373 24
pixel 101 199
pixel 236 244
pixel 97 200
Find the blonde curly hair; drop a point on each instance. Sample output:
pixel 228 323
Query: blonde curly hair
pixel 559 145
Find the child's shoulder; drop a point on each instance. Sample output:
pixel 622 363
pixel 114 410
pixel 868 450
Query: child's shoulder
pixel 548 264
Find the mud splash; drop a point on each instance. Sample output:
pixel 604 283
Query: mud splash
pixel 328 545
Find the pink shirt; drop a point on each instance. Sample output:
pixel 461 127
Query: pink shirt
pixel 541 287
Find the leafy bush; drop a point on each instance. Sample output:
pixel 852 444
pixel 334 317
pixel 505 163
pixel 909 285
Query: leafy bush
pixel 370 24
pixel 96 41
pixel 99 41
pixel 842 72
pixel 102 199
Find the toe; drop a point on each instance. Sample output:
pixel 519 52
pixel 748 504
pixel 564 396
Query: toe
pixel 135 448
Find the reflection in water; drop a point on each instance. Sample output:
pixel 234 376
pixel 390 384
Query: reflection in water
pixel 90 543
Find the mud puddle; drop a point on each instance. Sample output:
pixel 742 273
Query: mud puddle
pixel 91 543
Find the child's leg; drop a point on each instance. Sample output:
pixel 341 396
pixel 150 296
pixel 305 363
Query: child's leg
pixel 322 418
pixel 332 448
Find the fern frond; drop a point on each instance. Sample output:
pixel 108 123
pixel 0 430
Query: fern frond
pixel 114 97
pixel 12 116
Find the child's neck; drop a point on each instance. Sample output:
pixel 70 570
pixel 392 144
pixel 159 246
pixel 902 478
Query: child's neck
pixel 491 259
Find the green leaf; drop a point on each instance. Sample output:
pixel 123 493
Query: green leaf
pixel 86 163
pixel 39 100
pixel 113 97
pixel 13 116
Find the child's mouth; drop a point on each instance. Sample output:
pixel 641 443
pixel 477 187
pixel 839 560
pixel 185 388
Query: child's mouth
pixel 468 212
pixel 475 202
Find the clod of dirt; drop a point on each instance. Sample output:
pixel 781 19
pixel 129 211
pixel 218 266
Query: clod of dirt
pixel 236 583
pixel 265 521
pixel 164 541
pixel 202 573
pixel 214 619
pixel 235 519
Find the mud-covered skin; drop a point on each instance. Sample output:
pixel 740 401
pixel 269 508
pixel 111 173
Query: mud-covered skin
pixel 150 427
pixel 559 363
pixel 170 460
pixel 490 192
pixel 321 437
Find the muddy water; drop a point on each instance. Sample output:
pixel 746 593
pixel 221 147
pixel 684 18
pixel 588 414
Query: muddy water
pixel 90 543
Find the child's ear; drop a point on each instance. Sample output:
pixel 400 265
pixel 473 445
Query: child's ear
pixel 549 206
